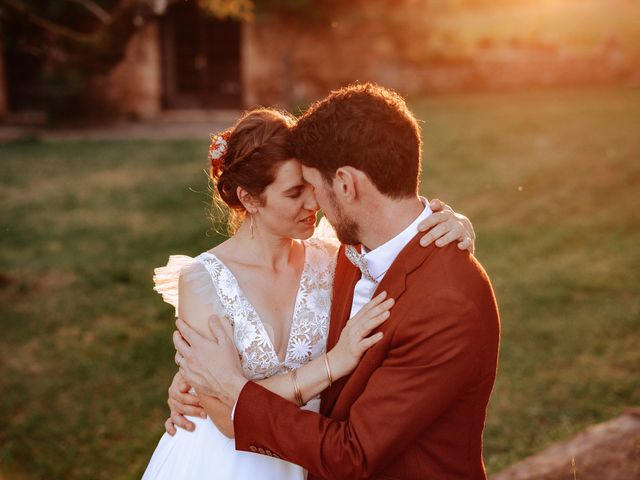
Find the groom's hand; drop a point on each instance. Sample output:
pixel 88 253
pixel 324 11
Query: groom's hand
pixel 211 366
pixel 182 403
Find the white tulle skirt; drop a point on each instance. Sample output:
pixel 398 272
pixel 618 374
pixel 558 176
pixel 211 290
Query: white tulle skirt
pixel 207 454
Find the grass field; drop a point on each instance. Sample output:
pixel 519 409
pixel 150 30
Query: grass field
pixel 551 181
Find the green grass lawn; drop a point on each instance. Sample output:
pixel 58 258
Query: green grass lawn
pixel 551 181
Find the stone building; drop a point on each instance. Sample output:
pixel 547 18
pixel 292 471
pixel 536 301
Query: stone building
pixel 190 60
pixel 187 59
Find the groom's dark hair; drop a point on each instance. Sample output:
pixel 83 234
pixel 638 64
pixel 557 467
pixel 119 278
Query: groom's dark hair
pixel 367 127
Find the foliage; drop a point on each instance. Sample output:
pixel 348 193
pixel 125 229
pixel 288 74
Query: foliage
pixel 550 181
pixel 66 43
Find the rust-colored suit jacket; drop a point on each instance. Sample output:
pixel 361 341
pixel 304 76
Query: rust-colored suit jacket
pixel 415 406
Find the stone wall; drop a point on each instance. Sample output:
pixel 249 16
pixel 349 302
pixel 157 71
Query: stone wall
pixel 286 62
pixel 133 89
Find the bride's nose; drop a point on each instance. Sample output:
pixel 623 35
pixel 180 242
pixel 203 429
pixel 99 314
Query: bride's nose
pixel 310 202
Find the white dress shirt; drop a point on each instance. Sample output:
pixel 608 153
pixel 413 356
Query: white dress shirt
pixel 379 260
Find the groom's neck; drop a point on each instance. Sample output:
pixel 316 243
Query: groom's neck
pixel 387 218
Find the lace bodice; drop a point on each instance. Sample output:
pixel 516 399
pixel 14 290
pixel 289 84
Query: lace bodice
pixel 214 289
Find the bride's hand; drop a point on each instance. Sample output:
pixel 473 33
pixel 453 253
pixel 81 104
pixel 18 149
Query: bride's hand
pixel 445 226
pixel 354 339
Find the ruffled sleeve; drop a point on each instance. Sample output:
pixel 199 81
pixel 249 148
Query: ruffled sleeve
pixel 166 278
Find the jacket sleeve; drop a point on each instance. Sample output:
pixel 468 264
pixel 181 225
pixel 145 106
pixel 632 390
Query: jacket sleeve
pixel 431 358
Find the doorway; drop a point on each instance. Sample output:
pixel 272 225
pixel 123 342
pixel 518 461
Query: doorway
pixel 201 59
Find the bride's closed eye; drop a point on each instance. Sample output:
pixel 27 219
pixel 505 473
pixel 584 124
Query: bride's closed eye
pixel 296 193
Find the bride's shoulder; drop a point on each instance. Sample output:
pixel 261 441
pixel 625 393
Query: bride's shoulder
pixel 179 268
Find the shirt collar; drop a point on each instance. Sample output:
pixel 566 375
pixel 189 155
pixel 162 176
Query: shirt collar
pixel 379 259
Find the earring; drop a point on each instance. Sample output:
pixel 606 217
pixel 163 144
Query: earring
pixel 251 226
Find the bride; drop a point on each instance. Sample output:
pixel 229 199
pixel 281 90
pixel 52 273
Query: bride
pixel 272 283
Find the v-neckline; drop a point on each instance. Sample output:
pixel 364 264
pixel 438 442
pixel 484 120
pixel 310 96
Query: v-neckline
pixel 255 311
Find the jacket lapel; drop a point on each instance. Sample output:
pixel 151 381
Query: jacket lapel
pixel 345 279
pixel 346 276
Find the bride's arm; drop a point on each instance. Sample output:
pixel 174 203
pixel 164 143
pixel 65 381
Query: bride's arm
pixel 443 226
pixel 195 292
pixel 313 377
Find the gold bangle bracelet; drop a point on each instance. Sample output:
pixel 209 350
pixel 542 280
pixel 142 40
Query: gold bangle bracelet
pixel 296 387
pixel 326 364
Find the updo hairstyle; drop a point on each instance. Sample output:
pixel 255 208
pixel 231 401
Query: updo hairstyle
pixel 257 145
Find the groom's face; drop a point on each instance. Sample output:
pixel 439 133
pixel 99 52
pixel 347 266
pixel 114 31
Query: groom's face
pixel 346 228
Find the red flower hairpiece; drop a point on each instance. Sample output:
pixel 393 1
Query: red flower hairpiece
pixel 218 150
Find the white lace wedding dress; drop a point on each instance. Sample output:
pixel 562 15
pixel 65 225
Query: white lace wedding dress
pixel 206 453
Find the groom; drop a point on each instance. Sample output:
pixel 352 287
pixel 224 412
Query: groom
pixel 415 406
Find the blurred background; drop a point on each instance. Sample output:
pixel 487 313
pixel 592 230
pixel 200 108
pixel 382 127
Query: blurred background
pixel 531 116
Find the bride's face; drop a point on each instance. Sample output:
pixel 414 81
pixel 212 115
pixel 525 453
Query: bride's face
pixel 289 205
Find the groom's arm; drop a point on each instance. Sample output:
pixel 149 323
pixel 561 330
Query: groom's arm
pixel 431 358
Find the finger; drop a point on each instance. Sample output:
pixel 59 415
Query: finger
pixel 183 387
pixel 179 384
pixel 434 234
pixel 194 411
pixel 186 399
pixel 436 204
pixel 181 346
pixel 177 358
pixel 466 244
pixel 437 219
pixel 373 311
pixel 189 334
pixel 182 422
pixel 378 309
pixel 373 302
pixel 373 323
pixel 372 340
pixel 169 427
pixel 452 236
pixel 183 409
pixel 432 220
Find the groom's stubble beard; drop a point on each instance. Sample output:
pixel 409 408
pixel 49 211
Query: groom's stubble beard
pixel 347 229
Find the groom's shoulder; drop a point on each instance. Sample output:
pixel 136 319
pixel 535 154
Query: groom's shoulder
pixel 449 281
pixel 451 268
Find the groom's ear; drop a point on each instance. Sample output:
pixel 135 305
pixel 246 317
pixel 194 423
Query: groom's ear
pixel 345 184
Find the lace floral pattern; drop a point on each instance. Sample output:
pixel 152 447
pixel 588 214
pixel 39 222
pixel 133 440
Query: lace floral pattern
pixel 309 325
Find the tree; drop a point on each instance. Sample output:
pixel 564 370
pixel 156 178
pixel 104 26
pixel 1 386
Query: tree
pixel 90 35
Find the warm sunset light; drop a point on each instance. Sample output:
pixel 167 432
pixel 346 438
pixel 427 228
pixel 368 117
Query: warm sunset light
pixel 297 239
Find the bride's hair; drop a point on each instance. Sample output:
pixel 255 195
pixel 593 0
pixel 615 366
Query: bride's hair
pixel 256 145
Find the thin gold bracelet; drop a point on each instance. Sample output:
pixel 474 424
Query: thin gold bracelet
pixel 326 364
pixel 296 387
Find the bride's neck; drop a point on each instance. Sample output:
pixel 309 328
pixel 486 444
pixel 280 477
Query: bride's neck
pixel 263 248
